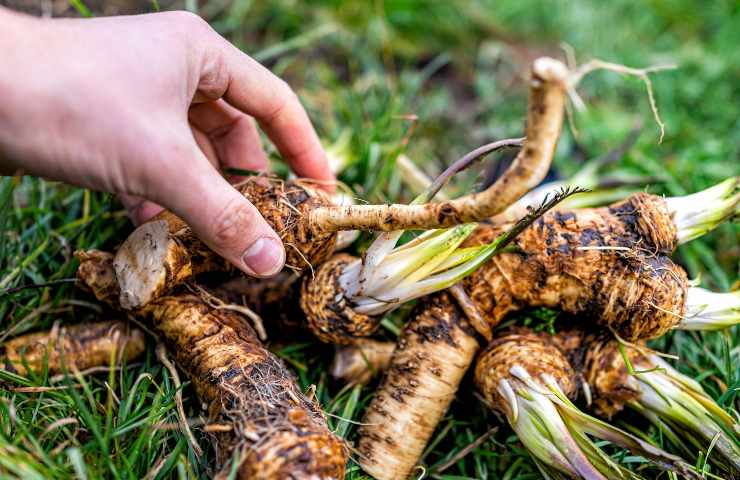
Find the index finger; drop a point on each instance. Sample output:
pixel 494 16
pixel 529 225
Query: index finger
pixel 256 91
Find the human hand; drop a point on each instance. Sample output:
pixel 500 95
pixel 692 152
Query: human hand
pixel 150 107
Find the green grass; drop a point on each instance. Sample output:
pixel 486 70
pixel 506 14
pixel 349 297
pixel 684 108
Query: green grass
pixel 369 68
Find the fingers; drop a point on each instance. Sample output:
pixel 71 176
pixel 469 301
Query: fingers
pixel 232 134
pixel 253 89
pixel 140 209
pixel 218 214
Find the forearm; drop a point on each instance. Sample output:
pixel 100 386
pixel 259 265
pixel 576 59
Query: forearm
pixel 9 24
pixel 55 106
pixel 16 77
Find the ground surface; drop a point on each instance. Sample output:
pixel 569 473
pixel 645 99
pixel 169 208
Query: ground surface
pixel 368 68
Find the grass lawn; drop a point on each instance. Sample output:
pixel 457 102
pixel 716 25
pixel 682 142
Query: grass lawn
pixel 428 79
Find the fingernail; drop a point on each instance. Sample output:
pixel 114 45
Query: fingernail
pixel 265 257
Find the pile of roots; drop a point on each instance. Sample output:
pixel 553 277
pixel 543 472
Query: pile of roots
pixel 482 259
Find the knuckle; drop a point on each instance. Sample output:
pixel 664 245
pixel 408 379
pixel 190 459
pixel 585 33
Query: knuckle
pixel 187 29
pixel 214 79
pixel 234 223
pixel 189 20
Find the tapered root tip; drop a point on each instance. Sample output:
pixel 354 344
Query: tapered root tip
pixel 548 69
pixel 306 451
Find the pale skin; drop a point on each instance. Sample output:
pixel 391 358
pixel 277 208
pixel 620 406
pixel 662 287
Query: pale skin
pixel 152 108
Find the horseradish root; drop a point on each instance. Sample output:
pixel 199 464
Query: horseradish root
pixel 96 275
pixel 602 190
pixel 609 265
pixel 347 296
pixel 675 403
pixel 544 120
pixel 329 312
pixel 82 346
pixel 163 252
pixel 276 431
pixel 525 377
pixel 432 355
pixel 358 363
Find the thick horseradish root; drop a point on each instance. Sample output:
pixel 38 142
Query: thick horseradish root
pixel 164 252
pixel 675 403
pixel 276 431
pixel 528 379
pixel 82 346
pixel 609 265
pixel 347 296
pixel 430 359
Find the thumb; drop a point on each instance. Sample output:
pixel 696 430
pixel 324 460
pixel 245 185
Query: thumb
pixel 221 216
